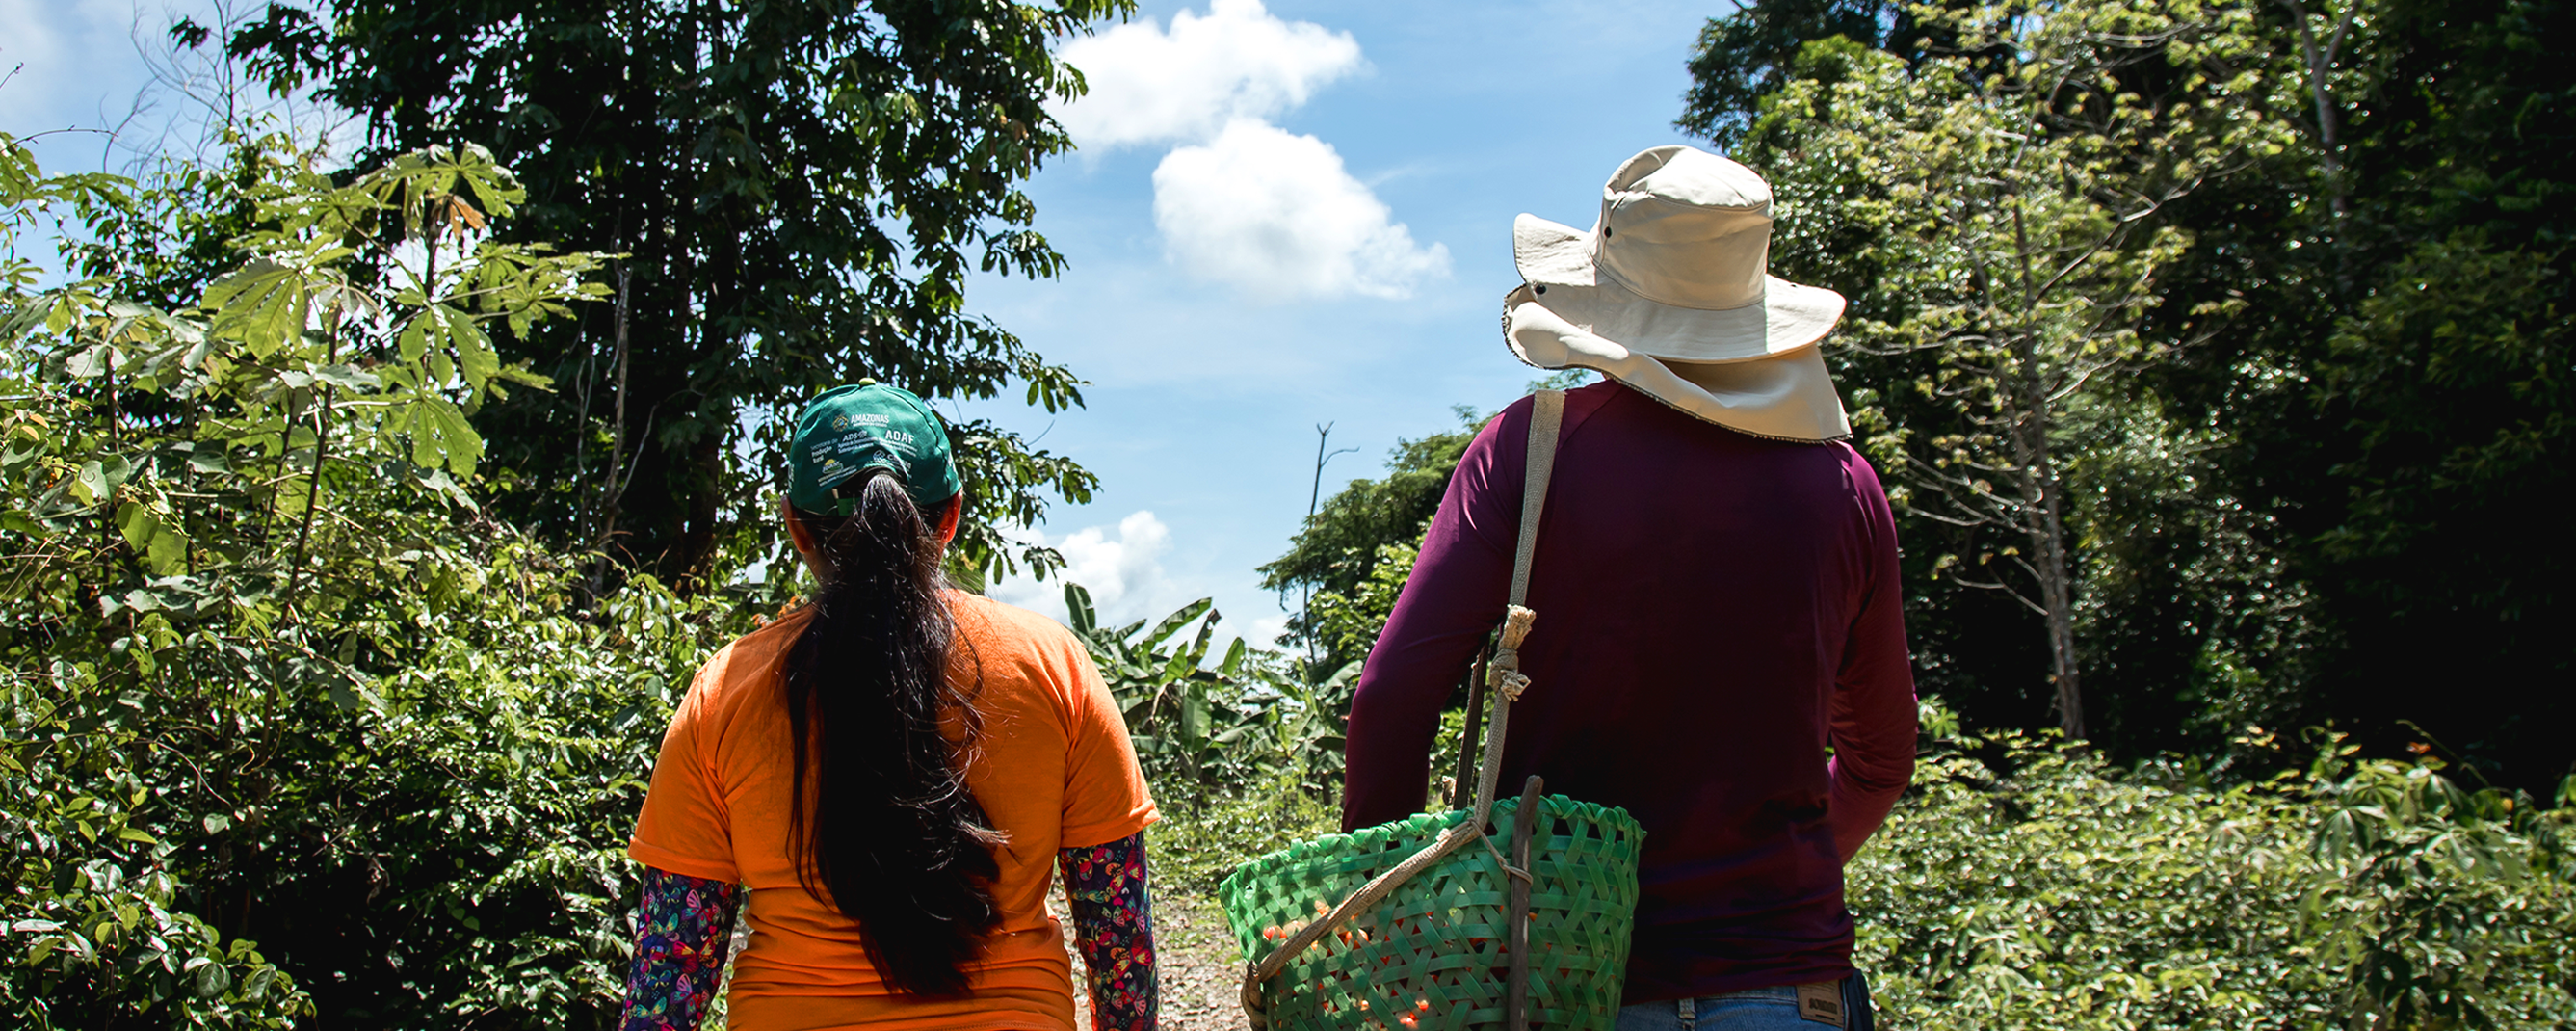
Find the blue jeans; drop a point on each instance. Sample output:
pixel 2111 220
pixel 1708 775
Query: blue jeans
pixel 1761 1009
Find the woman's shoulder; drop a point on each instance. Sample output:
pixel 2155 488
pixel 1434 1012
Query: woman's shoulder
pixel 1009 649
pixel 999 625
pixel 737 669
pixel 1026 666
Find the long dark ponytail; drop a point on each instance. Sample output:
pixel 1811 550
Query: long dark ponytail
pixel 894 839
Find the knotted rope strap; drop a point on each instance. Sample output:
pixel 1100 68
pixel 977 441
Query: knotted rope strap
pixel 1547 412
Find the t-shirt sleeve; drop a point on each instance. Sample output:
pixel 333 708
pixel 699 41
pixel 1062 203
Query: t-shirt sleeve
pixel 1454 597
pixel 1105 798
pixel 1873 704
pixel 684 828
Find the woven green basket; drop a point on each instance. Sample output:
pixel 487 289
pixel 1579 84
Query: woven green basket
pixel 1435 950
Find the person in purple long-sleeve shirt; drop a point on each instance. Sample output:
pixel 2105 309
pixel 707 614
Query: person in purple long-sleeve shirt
pixel 1720 643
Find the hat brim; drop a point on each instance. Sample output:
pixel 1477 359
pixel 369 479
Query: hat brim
pixel 1556 261
pixel 1787 396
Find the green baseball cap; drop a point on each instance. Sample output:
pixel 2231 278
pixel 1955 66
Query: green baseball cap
pixel 867 425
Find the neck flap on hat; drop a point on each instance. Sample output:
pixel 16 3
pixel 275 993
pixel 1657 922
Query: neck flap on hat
pixel 1791 397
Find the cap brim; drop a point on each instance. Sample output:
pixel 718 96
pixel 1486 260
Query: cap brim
pixel 1788 396
pixel 1556 261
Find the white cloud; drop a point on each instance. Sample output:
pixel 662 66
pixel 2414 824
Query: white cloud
pixel 1125 576
pixel 1241 201
pixel 1238 61
pixel 1277 215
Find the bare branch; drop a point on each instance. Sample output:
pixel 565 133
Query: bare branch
pixel 2000 586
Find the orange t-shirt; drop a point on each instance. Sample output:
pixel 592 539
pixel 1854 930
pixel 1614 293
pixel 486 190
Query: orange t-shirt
pixel 1054 769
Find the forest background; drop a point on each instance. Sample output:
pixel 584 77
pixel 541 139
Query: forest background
pixel 364 517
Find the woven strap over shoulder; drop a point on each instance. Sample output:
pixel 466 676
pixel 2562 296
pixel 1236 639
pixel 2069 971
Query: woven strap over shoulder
pixel 1547 413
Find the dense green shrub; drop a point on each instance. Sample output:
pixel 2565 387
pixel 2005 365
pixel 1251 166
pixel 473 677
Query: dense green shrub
pixel 93 905
pixel 270 676
pixel 2027 884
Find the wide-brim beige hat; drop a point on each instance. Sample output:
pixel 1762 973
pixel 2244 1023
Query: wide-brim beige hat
pixel 1670 294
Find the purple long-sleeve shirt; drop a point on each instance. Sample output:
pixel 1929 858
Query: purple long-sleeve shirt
pixel 1714 612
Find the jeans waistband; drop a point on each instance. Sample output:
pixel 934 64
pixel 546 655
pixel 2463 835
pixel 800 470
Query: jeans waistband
pixel 1688 1009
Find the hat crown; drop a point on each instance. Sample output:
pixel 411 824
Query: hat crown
pixel 1687 228
pixel 1668 294
pixel 857 427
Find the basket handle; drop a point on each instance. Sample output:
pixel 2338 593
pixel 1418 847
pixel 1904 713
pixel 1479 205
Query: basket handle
pixel 1547 413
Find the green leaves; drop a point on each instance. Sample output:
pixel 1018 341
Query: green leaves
pixel 99 478
pixel 1247 719
pixel 440 436
pixel 800 191
pixel 2319 371
pixel 96 911
pixel 1179 618
pixel 431 186
pixel 439 331
pixel 1077 602
pixel 2047 889
pixel 163 546
pixel 2002 196
pixel 1343 555
pixel 237 587
pixel 265 305
pixel 422 356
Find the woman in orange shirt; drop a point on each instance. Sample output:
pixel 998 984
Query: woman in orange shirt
pixel 894 771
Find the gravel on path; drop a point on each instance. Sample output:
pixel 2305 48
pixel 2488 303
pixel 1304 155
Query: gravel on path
pixel 1195 956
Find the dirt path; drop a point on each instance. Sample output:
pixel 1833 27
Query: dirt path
pixel 1200 971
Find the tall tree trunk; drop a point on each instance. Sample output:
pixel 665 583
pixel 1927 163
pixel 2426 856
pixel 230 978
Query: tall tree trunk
pixel 2319 62
pixel 612 486
pixel 2043 515
pixel 2057 595
pixel 2042 521
pixel 697 551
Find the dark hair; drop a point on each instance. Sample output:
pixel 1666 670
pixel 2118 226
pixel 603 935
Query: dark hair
pixel 894 841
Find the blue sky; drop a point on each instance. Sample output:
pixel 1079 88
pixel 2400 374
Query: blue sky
pixel 1209 376
pixel 1284 214
pixel 71 72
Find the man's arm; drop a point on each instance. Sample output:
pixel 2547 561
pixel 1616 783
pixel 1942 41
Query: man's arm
pixel 1113 925
pixel 1453 598
pixel 1873 708
pixel 682 933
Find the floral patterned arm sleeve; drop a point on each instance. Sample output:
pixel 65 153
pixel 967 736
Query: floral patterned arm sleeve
pixel 681 935
pixel 1113 925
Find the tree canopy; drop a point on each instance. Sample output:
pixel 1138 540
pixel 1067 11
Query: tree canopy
pixel 794 194
pixel 2291 497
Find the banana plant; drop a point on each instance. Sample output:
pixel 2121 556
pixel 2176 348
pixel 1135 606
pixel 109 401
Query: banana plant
pixel 1308 726
pixel 1182 713
pixel 1253 716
